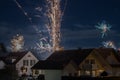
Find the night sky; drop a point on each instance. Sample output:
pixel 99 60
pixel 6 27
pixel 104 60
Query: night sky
pixel 77 27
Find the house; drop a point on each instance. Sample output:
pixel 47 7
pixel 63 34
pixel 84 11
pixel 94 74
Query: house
pixel 112 58
pixel 23 61
pixel 81 62
pixel 116 67
pixel 46 67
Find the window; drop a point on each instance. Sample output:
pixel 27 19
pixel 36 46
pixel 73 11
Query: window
pixel 90 61
pixel 32 62
pixel 23 69
pixel 87 61
pixel 25 62
pixel 87 72
pixel 36 71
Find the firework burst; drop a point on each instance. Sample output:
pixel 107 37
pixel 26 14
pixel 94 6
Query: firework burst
pixel 17 43
pixel 109 44
pixel 54 15
pixel 104 27
pixel 25 13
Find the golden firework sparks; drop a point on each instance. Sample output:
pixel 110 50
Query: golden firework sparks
pixel 17 43
pixel 54 15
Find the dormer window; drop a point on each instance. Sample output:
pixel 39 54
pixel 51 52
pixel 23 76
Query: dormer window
pixel 90 61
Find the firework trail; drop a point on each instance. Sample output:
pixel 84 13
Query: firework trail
pixel 109 44
pixel 25 13
pixel 64 7
pixel 103 27
pixel 34 26
pixel 17 43
pixel 54 15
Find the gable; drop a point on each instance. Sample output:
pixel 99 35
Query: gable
pixel 71 67
pixel 27 56
pixel 90 59
pixel 96 60
pixel 109 55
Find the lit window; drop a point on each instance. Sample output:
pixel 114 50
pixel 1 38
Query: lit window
pixel 23 69
pixel 87 72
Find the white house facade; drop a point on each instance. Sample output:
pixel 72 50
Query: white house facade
pixel 24 65
pixel 23 61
